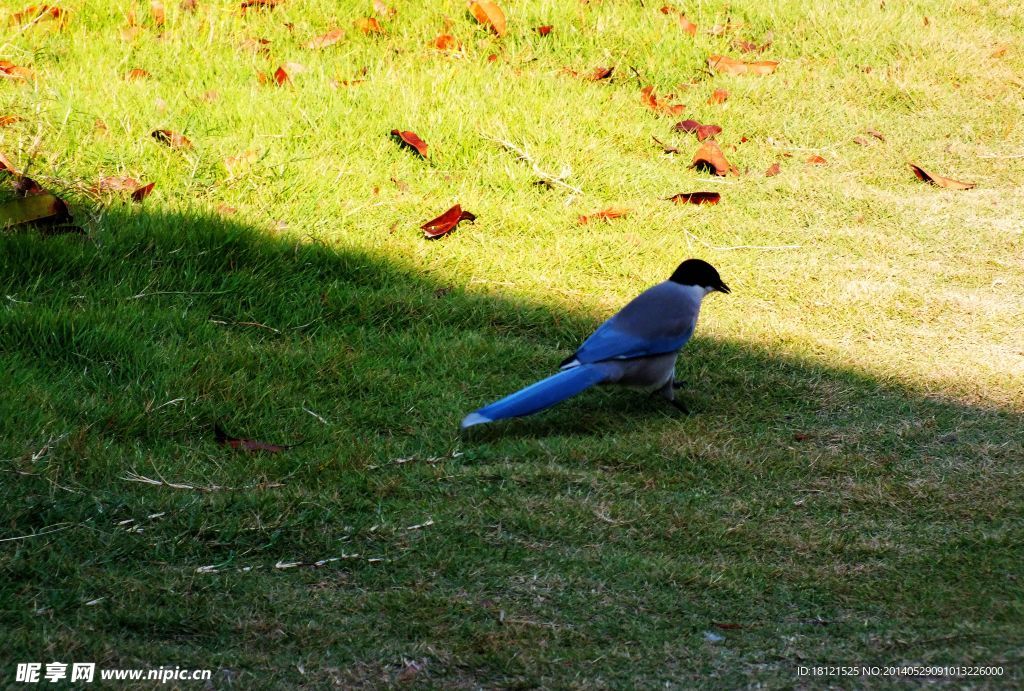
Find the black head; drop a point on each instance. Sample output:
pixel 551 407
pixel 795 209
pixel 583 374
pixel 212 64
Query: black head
pixel 697 272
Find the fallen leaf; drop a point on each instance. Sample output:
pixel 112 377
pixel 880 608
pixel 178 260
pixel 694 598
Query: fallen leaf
pixel 489 14
pixel 223 439
pixel 135 74
pixel 446 222
pixel 727 65
pixel 189 5
pixel 544 30
pixel 773 170
pixel 39 13
pixel 99 127
pixel 328 39
pixel 156 8
pixel 862 141
pixel 702 131
pixel 816 160
pixel 697 198
pixel 686 25
pixel 11 71
pixel 650 99
pixel 718 96
pixel 172 139
pixel 142 192
pixel 47 211
pixel 210 96
pixel 947 183
pixel 234 164
pixel 117 183
pixel 226 209
pixel 281 76
pixel 599 73
pixel 6 120
pixel 402 187
pixel 446 43
pixel 492 58
pixel 411 140
pixel 1000 50
pixel 709 158
pixel 383 10
pixel 257 45
pixel 750 47
pixel 877 135
pixel 369 25
pixel 722 625
pixel 608 214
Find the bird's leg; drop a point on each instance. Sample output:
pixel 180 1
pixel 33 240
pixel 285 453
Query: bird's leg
pixel 678 384
pixel 669 394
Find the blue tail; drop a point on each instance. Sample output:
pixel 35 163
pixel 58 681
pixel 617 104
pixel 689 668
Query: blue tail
pixel 539 396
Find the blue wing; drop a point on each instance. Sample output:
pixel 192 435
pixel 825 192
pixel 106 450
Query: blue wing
pixel 611 343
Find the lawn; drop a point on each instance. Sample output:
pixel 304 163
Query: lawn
pixel 849 488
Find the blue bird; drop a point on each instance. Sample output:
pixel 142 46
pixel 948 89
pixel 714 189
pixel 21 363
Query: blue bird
pixel 637 347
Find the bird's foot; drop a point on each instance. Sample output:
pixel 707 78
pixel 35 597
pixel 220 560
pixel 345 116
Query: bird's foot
pixel 680 406
pixel 678 384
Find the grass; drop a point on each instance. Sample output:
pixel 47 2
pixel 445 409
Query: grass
pixel 848 489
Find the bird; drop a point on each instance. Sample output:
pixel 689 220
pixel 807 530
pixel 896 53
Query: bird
pixel 637 347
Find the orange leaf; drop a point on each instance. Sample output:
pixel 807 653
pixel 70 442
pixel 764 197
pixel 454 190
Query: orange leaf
pixel 369 25
pixel 142 192
pixel 446 222
pixel 328 39
pixel 12 71
pixel 136 74
pixel 727 65
pixel 697 198
pixel 604 215
pixel 544 30
pixel 383 10
pixel 650 99
pixel 773 170
pixel 189 5
pixel 816 160
pixel 257 45
pixel 172 139
pixel 281 76
pixel 6 120
pixel 246 444
pixel 948 183
pixel 241 161
pixel 117 183
pixel 39 13
pixel 599 73
pixel 489 14
pixel 718 96
pixel 156 8
pixel 446 43
pixel 709 158
pixel 687 26
pixel 411 140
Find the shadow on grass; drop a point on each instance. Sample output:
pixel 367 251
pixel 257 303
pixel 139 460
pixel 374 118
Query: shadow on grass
pixel 128 345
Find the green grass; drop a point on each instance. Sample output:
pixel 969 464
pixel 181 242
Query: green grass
pixel 849 486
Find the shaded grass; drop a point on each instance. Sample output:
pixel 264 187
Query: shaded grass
pixel 848 491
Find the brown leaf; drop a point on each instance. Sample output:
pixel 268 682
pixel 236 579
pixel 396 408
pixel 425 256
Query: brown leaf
pixel 369 25
pixel 686 25
pixel 223 439
pixel 446 222
pixel 749 47
pixel 722 625
pixel 328 39
pixel 411 140
pixel 11 71
pixel 948 183
pixel 727 65
pixel 862 141
pixel 383 10
pixel 257 45
pixel 816 160
pixel 281 76
pixel 877 135
pixel 650 99
pixel 709 158
pixel 226 209
pixel 135 74
pixel 718 96
pixel 773 170
pixel 489 14
pixel 189 5
pixel 172 139
pixel 6 120
pixel 697 198
pixel 1000 50
pixel 599 73
pixel 39 13
pixel 142 192
pixel 702 131
pixel 446 43
pixel 117 183
pixel 156 8
pixel 544 30
pixel 604 215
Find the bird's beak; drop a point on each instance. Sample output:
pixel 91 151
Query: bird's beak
pixel 722 288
